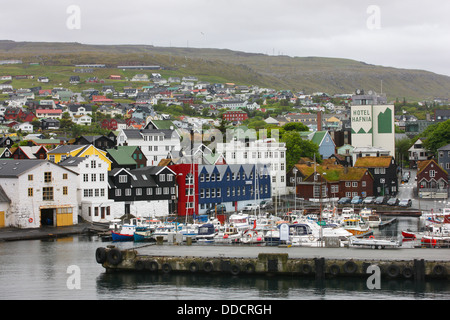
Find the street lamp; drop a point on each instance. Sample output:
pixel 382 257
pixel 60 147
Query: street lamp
pixel 295 170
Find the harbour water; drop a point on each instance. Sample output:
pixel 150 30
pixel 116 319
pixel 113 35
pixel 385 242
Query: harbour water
pixel 65 268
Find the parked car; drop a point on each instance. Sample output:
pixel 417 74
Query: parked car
pixel 380 200
pixel 266 204
pixel 405 177
pixel 356 200
pixel 392 201
pixel 344 200
pixel 251 206
pixel 368 200
pixel 405 203
pixel 220 209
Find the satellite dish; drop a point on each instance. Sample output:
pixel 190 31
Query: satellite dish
pixel 358 91
pixel 370 92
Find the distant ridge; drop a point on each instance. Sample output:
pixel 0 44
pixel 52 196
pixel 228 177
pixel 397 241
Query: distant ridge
pixel 307 74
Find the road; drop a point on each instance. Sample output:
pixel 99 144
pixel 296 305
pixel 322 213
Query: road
pixel 407 191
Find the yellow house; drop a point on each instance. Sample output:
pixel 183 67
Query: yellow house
pixel 65 151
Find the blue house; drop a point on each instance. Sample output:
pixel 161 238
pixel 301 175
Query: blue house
pixel 233 185
pixel 326 144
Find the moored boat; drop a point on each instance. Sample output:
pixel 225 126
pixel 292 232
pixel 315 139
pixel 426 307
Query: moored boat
pixel 251 236
pixel 356 226
pixel 206 233
pixel 126 233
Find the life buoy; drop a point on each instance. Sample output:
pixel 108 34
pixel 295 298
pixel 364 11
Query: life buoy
pixel 114 256
pixel 208 266
pixel 100 255
pixel 350 267
pixel 311 237
pixel 30 220
pixel 371 237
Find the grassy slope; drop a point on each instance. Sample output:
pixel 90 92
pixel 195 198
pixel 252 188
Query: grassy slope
pixel 310 74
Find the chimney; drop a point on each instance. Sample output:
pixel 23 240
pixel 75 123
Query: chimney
pixel 319 121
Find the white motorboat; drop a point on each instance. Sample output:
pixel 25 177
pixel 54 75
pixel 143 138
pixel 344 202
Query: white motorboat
pixel 371 216
pixel 252 236
pixel 228 234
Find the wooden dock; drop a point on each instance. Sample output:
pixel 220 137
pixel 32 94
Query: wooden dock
pixel 419 264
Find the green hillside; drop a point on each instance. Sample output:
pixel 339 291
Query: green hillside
pixel 308 74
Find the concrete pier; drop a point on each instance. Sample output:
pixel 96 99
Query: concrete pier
pixel 419 264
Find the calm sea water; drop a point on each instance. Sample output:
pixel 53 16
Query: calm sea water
pixel 38 269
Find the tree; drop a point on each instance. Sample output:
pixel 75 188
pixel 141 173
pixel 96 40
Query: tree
pixel 401 148
pixel 295 126
pixel 296 147
pixel 438 136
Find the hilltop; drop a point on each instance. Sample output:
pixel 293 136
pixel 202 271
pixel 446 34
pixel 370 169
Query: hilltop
pixel 308 74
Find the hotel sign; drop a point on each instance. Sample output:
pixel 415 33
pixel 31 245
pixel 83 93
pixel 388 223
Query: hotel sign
pixel 362 119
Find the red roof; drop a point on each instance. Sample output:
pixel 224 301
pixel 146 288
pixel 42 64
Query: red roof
pixel 55 111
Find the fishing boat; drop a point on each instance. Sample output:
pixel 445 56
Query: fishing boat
pixel 126 233
pixel 356 225
pixel 143 236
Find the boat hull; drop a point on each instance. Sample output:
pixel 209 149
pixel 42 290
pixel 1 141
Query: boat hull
pixel 121 237
pixel 143 237
pixel 408 235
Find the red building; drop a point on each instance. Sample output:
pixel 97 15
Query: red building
pixel 330 181
pixel 110 124
pixel 187 181
pixel 432 180
pixel 235 115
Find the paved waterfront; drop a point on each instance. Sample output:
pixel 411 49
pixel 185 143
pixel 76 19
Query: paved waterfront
pixel 295 252
pixel 14 234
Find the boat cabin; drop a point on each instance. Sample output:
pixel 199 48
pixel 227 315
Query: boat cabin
pixel 300 229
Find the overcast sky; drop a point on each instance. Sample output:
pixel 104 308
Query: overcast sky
pixel 409 34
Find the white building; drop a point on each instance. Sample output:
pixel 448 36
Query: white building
pixel 373 125
pixel 82 120
pixel 156 144
pixel 265 151
pixel 40 193
pixel 416 153
pixel 92 183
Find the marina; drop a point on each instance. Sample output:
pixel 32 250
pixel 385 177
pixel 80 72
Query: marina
pixel 37 268
pixel 270 245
